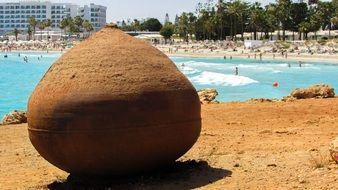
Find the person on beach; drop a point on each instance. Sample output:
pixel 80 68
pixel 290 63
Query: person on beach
pixel 19 55
pixel 274 56
pixel 260 56
pixel 236 71
pixel 230 57
pixel 300 64
pixel 225 57
pixel 289 65
pixel 255 56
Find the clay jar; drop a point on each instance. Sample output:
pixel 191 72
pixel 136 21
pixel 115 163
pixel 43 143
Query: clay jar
pixel 113 105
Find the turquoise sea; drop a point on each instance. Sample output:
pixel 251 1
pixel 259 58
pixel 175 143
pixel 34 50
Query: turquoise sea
pixel 18 78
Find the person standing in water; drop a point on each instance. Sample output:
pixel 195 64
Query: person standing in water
pixel 236 71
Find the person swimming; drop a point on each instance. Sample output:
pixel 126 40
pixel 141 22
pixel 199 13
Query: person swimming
pixel 6 56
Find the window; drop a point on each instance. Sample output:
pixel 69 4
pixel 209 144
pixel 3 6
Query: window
pixel 44 6
pixel 33 7
pixel 17 7
pixel 1 7
pixel 44 11
pixel 38 16
pixel 38 7
pixel 43 16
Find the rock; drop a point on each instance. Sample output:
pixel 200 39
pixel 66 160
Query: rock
pixel 260 100
pixel 334 150
pixel 207 95
pixel 15 117
pixel 288 99
pixel 113 105
pixel 315 91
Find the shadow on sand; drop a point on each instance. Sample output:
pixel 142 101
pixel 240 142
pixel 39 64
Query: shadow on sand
pixel 182 175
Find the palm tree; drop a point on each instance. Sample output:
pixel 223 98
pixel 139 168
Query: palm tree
pixel 16 33
pixel 33 23
pixel 47 24
pixel 41 26
pixel 283 14
pixel 88 26
pixel 29 32
pixel 256 14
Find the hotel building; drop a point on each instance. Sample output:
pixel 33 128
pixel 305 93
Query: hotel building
pixel 16 15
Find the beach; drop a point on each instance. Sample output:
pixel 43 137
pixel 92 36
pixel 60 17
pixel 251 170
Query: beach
pixel 297 51
pixel 247 145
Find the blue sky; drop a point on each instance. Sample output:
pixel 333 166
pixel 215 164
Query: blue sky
pixel 124 9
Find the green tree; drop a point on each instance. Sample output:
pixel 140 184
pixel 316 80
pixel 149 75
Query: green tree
pixel 327 11
pixel 16 33
pixel 151 24
pixel 88 26
pixel 41 26
pixel 29 32
pixel 283 14
pixel 167 31
pixel 298 14
pixel 256 16
pixel 33 23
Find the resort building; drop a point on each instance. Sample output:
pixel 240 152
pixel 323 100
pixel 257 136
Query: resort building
pixel 16 15
pixel 96 14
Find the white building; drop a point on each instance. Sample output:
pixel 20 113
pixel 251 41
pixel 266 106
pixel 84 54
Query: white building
pixel 16 15
pixel 96 14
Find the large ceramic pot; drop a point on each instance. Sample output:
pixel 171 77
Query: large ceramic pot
pixel 113 105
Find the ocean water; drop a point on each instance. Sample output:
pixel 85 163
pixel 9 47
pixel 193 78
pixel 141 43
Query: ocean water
pixel 256 78
pixel 18 79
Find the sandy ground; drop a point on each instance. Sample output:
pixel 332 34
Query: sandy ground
pixel 274 145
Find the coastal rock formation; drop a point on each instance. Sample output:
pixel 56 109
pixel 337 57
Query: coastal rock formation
pixel 113 105
pixel 334 150
pixel 15 117
pixel 315 91
pixel 207 95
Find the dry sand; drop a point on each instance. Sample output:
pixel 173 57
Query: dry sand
pixel 278 145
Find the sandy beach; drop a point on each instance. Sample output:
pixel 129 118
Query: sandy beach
pixel 249 145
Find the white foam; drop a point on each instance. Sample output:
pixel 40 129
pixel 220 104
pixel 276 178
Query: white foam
pixel 188 70
pixel 211 78
pixel 277 71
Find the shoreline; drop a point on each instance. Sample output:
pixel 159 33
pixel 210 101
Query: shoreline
pixel 320 59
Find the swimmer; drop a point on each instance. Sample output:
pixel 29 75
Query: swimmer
pixel 236 71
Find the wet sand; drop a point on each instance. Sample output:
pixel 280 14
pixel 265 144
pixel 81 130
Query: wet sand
pixel 250 145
